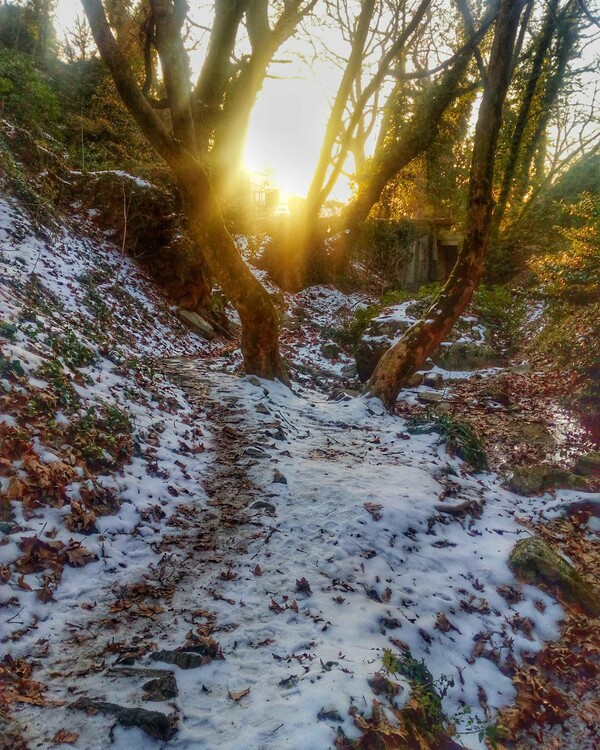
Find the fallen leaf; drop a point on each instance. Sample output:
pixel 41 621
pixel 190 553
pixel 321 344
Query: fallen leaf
pixel 239 695
pixel 65 737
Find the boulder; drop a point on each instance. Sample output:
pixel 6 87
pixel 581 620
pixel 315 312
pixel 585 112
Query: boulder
pixel 433 380
pixel 535 480
pixel 534 561
pixel 368 353
pixel 430 397
pixel 376 340
pixel 465 355
pixel 415 380
pixel 588 465
pixel 198 324
pixel 330 350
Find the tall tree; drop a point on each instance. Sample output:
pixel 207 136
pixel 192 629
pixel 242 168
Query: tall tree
pixel 177 145
pixel 409 354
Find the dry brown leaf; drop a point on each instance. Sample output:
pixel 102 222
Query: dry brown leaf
pixel 239 695
pixel 65 737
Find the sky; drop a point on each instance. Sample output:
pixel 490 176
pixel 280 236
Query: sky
pixel 287 123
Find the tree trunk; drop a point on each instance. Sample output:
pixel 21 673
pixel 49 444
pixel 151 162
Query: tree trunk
pixel 260 323
pixel 259 318
pixel 543 45
pixel 421 340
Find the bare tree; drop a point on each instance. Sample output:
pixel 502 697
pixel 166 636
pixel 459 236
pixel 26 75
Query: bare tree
pixel 408 354
pixel 177 145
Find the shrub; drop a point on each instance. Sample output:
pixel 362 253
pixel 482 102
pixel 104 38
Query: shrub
pixel 24 92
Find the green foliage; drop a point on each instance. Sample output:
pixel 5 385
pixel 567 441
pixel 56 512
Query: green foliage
pixel 17 30
pixel 427 694
pixel 350 335
pixel 52 371
pixel 383 246
pixel 71 350
pixel 10 368
pixel 572 272
pixel 102 434
pixel 25 92
pixel 459 437
pixel 8 330
pixel 503 312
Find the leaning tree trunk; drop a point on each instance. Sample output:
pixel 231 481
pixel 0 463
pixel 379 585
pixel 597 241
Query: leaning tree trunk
pixel 421 340
pixel 260 323
pixel 259 319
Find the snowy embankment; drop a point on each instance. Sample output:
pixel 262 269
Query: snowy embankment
pixel 353 536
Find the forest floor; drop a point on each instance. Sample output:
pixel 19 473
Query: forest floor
pixel 195 559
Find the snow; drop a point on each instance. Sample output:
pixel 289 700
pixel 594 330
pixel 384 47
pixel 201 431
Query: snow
pixel 359 519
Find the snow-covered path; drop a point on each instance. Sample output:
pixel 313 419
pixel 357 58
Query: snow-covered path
pixel 320 542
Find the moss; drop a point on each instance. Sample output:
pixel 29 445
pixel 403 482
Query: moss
pixel 533 561
pixel 535 480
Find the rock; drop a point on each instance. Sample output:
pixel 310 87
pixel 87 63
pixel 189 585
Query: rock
pixel 349 371
pixel 279 478
pixel 430 397
pixel 535 562
pixel 588 465
pixel 368 353
pixel 161 688
pixel 256 452
pixel 262 409
pixel 535 480
pixel 376 340
pixel 444 407
pixel 433 380
pixel 330 350
pixel 154 723
pixel 277 434
pixel 181 659
pixel 264 505
pixel 415 380
pixel 464 355
pixel 288 323
pixel 198 324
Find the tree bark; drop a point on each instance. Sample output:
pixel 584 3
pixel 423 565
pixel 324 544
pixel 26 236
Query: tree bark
pixel 260 325
pixel 409 354
pixel 542 47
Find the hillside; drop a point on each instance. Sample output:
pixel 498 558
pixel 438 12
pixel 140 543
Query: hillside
pixel 193 558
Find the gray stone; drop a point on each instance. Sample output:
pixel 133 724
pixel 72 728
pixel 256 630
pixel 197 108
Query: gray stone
pixel 198 324
pixel 367 355
pixel 535 480
pixel 256 452
pixel 430 397
pixel 377 339
pixel 153 723
pixel 433 380
pixel 264 505
pixel 464 355
pixel 279 478
pixel 330 350
pixel 163 688
pixel 415 380
pixel 533 561
pixel 349 371
pixel 288 323
pixel 262 409
pixel 588 465
pixel 181 659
